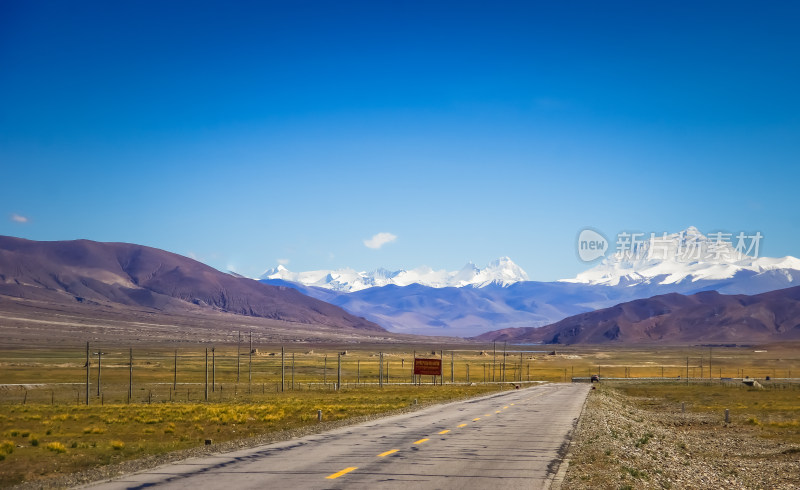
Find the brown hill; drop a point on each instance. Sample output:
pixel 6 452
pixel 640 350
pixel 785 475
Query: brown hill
pixel 133 275
pixel 675 318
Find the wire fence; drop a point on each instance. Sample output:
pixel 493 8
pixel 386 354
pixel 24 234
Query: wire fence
pixel 99 373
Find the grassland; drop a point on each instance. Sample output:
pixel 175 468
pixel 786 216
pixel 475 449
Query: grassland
pixel 157 403
pixel 40 439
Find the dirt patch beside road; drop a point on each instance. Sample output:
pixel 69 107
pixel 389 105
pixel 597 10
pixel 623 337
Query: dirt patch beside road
pixel 636 442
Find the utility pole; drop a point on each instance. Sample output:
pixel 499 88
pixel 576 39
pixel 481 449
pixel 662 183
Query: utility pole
pixel 206 384
pixel 250 365
pixel 130 376
pixel 283 369
pixel 238 354
pixel 687 370
pixel 87 372
pixel 175 372
pixel 292 371
pixel 452 368
pixel 99 355
pixel 380 370
pixel 339 373
pixel 494 359
pixel 213 369
pixel 505 345
pixel 325 371
pixel 414 376
pixel 710 376
pixel 441 362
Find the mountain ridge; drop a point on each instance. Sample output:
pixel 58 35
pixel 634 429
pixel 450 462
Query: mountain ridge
pixel 703 317
pixel 502 271
pixel 103 273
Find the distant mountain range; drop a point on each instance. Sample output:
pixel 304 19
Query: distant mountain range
pixel 687 262
pixel 502 271
pixel 107 274
pixel 689 255
pixel 466 303
pixel 707 317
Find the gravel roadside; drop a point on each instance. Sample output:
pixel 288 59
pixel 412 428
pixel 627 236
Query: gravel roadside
pixel 623 444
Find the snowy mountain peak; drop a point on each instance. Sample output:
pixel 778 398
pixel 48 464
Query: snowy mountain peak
pixel 502 271
pixel 686 255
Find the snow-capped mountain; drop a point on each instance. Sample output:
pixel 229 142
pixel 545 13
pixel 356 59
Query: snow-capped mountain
pixel 419 301
pixel 502 271
pixel 687 256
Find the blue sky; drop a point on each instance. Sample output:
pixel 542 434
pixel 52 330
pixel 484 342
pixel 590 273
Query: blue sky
pixel 242 133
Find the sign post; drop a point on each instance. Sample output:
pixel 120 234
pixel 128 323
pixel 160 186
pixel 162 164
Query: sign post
pixel 428 367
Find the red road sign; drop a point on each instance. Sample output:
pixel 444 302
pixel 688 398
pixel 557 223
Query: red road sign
pixel 428 367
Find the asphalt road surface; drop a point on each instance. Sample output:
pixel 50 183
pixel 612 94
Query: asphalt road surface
pixel 514 439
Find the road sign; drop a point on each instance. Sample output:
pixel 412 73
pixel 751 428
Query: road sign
pixel 428 367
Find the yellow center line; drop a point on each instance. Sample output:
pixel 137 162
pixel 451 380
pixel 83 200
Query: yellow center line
pixel 391 451
pixel 512 404
pixel 340 473
pixel 487 415
pixel 506 407
pixel 497 411
pixel 421 441
pixel 476 419
pixel 444 431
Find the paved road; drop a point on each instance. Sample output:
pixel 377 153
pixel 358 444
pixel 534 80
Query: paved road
pixel 507 440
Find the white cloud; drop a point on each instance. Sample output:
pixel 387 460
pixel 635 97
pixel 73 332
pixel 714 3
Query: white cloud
pixel 283 261
pixel 19 218
pixel 379 240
